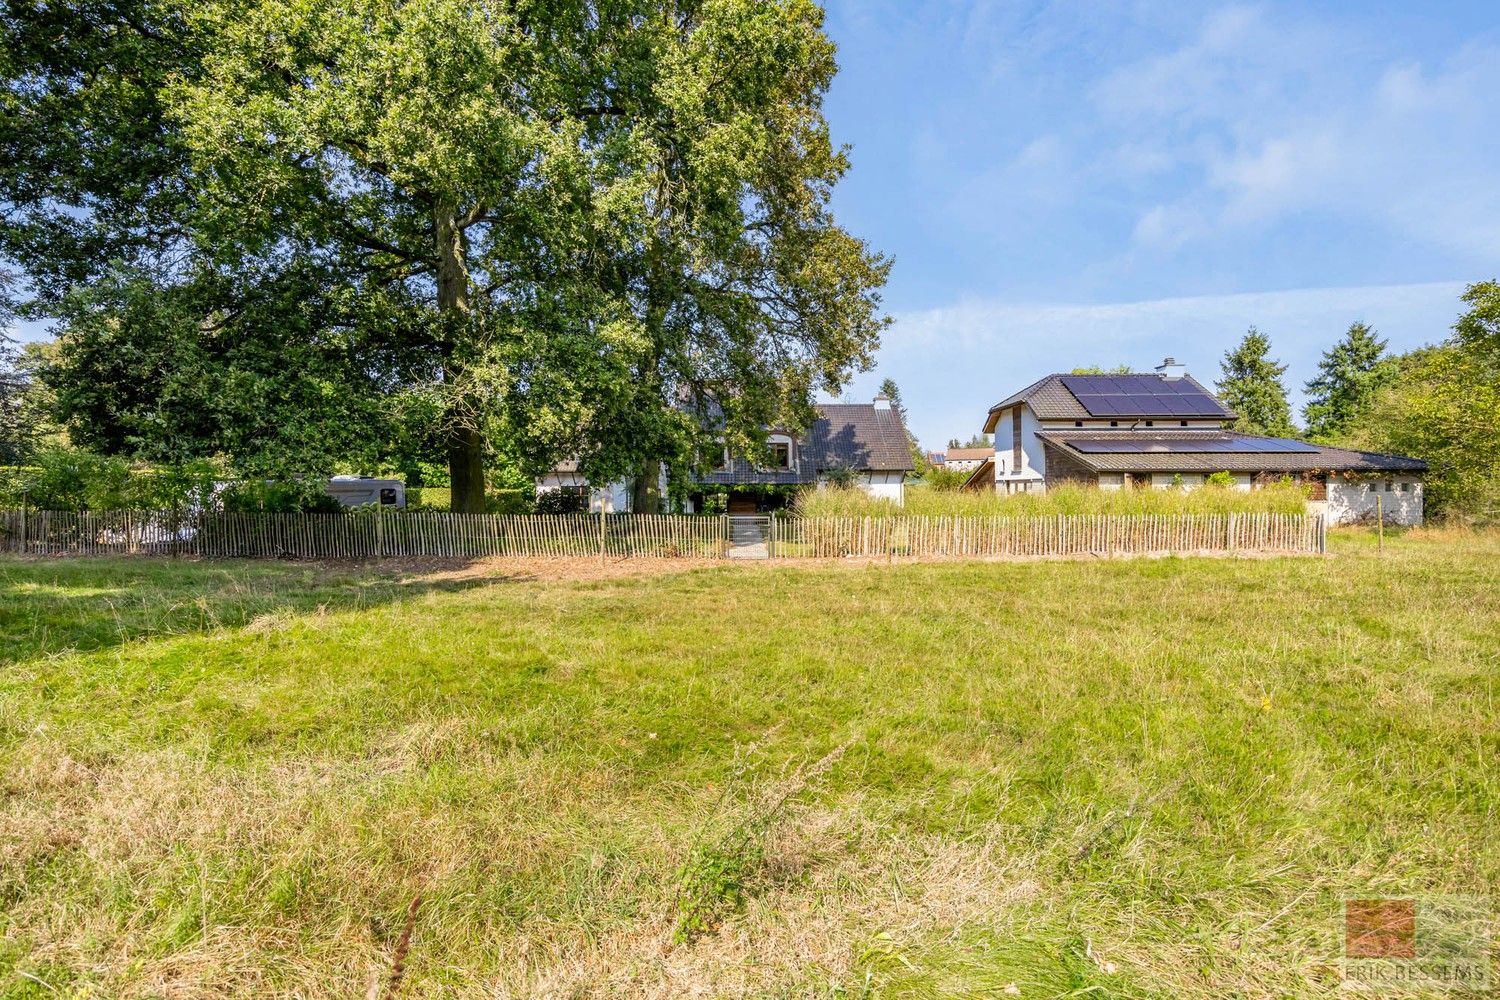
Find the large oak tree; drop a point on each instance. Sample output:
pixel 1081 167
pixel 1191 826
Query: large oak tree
pixel 597 229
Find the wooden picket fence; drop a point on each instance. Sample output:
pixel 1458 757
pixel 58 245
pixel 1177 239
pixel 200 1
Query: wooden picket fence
pixel 1059 535
pixel 368 534
pixel 360 534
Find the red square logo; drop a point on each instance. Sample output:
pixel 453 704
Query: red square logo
pixel 1380 928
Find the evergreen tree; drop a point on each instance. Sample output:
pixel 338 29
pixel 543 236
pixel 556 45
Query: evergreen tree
pixel 1251 386
pixel 890 390
pixel 1349 376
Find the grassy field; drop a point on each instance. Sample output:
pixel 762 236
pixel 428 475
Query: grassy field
pixel 1147 778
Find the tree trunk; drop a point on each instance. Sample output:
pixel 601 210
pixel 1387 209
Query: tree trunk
pixel 465 443
pixel 646 498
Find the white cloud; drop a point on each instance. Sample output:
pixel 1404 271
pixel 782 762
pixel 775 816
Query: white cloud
pixel 1269 118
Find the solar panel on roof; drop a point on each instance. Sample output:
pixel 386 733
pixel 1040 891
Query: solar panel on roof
pixel 1188 446
pixel 1143 395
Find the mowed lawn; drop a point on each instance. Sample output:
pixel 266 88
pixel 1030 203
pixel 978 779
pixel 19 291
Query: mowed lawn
pixel 1146 778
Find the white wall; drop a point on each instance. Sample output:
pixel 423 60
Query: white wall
pixel 1355 501
pixel 1033 460
pixel 885 486
pixel 614 498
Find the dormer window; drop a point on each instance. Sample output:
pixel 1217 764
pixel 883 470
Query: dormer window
pixel 781 455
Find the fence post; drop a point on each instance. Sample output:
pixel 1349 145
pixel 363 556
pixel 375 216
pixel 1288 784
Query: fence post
pixel 601 532
pixel 1229 533
pixel 23 522
pixel 1322 534
pixel 1379 524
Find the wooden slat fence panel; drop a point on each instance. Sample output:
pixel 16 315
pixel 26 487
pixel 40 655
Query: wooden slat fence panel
pixel 1084 534
pixel 365 535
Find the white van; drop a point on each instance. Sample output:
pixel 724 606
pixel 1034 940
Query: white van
pixel 356 491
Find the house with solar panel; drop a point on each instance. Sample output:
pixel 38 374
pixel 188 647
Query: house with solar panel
pixel 1165 429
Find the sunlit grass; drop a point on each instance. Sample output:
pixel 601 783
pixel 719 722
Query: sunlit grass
pixel 1152 777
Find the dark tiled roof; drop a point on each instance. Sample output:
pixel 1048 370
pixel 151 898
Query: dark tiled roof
pixel 856 436
pixel 1320 458
pixel 1050 399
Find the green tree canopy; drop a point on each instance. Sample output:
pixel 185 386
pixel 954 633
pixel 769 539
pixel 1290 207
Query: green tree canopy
pixel 1349 375
pixel 1251 385
pixel 1443 405
pixel 594 230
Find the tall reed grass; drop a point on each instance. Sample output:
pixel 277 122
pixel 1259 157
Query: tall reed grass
pixel 1284 498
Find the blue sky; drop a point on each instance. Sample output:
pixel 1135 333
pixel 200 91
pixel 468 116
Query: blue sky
pixel 1073 183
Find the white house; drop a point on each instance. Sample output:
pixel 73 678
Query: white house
pixel 865 441
pixel 1166 429
pixel 966 459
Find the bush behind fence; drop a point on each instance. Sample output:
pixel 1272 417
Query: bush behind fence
pixel 369 534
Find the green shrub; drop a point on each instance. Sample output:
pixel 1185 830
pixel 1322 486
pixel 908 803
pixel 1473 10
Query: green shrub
pixel 943 480
pixel 279 497
pixel 74 479
pixel 436 498
pixel 508 501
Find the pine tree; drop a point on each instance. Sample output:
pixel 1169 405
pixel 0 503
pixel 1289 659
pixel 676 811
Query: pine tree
pixel 890 390
pixel 1251 386
pixel 1349 376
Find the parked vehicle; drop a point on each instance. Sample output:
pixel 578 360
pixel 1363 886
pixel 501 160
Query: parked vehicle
pixel 356 491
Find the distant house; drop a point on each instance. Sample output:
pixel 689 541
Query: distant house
pixel 865 442
pixel 966 459
pixel 936 459
pixel 1165 429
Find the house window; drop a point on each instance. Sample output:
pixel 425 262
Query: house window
pixel 388 496
pixel 1114 423
pixel 1182 423
pixel 1389 486
pixel 781 456
pixel 1078 423
pixel 1151 423
pixel 1406 487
